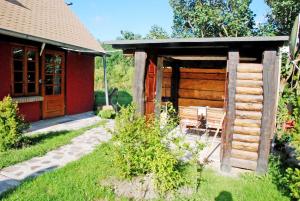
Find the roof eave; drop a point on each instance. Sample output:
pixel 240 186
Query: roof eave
pixel 188 41
pixel 51 42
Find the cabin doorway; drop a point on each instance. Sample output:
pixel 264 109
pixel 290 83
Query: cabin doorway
pixel 53 83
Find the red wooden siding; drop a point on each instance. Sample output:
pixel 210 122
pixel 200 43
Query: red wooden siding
pixel 79 83
pixel 30 111
pixel 150 86
pixel 5 75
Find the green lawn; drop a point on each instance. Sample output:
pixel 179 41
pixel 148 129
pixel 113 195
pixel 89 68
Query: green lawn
pixel 124 98
pixel 80 180
pixel 40 144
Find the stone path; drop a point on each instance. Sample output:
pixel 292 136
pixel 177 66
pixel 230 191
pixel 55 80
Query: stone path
pixel 69 122
pixel 79 146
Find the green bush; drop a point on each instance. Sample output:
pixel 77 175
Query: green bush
pixel 286 178
pixel 12 125
pixel 107 113
pixel 143 147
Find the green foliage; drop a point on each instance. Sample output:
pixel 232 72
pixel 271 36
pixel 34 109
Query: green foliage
pixel 287 179
pixel 108 113
pixel 283 14
pixel 202 18
pixel 128 35
pixel 12 125
pixel 157 32
pixel 143 147
pixel 119 70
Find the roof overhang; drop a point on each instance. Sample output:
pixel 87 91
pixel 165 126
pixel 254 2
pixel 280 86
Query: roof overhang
pixel 218 42
pixel 50 42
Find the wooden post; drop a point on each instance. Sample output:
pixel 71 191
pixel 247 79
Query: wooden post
pixel 270 87
pixel 159 79
pixel 139 81
pixel 105 81
pixel 232 63
pixel 175 85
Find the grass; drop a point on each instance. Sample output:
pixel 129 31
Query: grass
pixel 40 144
pixel 124 98
pixel 80 180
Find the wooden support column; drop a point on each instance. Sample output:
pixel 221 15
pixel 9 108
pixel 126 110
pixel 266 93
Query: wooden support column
pixel 139 81
pixel 232 63
pixel 159 79
pixel 175 85
pixel 270 87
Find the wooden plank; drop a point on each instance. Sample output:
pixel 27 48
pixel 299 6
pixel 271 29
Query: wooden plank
pixel 247 123
pixel 249 68
pixel 247 130
pixel 139 81
pixel 245 164
pixel 249 83
pixel 270 75
pixel 209 85
pixel 246 138
pixel 166 92
pixel 232 62
pixel 201 94
pixel 249 90
pixel 200 76
pixel 197 102
pixel 198 70
pixel 248 115
pixel 249 98
pixel 245 146
pixel 249 106
pixel 159 78
pixel 245 155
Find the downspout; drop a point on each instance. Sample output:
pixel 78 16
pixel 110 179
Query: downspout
pixel 105 81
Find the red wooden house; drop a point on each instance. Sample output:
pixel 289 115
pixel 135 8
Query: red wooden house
pixel 46 58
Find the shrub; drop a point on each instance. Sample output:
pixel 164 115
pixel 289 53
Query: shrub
pixel 12 125
pixel 286 178
pixel 107 113
pixel 143 146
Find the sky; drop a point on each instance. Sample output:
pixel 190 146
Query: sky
pixel 106 18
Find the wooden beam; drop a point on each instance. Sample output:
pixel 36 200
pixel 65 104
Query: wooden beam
pixel 232 63
pixel 139 81
pixel 175 85
pixel 159 79
pixel 270 86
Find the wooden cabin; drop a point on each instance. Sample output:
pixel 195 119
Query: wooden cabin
pixel 46 59
pixel 240 75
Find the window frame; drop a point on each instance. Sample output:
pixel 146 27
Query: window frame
pixel 25 61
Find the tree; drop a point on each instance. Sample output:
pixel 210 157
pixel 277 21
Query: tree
pixel 157 32
pixel 283 14
pixel 128 35
pixel 212 18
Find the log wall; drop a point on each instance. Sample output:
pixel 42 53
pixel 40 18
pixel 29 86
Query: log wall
pixel 247 123
pixel 197 87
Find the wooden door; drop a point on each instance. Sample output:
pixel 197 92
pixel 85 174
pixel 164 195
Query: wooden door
pixel 53 83
pixel 150 87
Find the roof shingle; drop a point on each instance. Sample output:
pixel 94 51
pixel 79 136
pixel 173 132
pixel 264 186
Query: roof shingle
pixel 47 19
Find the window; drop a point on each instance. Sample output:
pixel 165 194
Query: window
pixel 24 71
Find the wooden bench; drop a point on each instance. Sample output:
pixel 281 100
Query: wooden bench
pixel 201 118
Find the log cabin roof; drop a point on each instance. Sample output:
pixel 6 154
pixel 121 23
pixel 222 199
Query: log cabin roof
pixel 275 41
pixel 46 21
